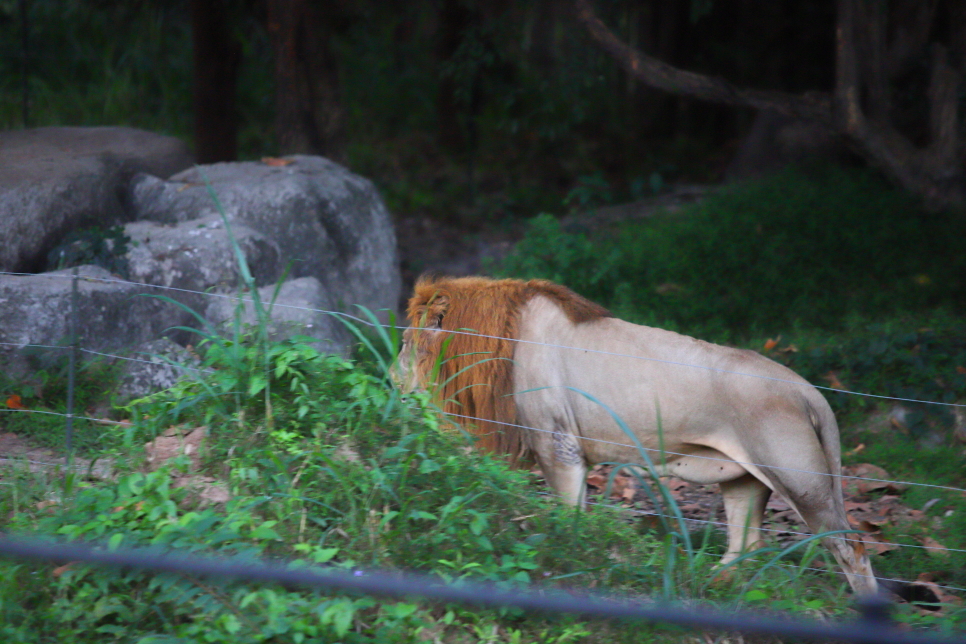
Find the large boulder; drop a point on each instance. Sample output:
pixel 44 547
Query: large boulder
pixel 297 307
pixel 57 179
pixel 776 141
pixel 329 223
pixel 35 312
pixel 197 258
pixel 153 366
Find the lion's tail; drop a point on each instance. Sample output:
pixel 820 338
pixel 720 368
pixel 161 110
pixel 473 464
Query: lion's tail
pixel 827 429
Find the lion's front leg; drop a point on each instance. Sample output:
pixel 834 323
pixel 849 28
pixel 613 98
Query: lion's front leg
pixel 564 467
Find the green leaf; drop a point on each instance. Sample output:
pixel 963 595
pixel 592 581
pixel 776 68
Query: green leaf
pixel 265 531
pixel 755 595
pixel 324 554
pixel 115 541
pixel 428 466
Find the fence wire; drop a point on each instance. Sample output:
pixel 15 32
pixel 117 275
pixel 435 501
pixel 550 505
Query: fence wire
pixel 480 335
pixel 248 299
pixel 874 626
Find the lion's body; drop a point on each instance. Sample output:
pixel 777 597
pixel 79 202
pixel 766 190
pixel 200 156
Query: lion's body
pixel 724 415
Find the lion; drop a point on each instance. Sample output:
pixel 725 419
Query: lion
pixel 535 370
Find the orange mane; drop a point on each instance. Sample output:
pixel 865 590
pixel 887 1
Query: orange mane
pixel 476 373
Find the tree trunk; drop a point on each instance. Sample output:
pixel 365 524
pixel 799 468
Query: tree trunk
pixel 308 109
pixel 216 58
pixel 454 19
pixel 864 66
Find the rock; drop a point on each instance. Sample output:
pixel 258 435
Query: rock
pixel 330 223
pixel 36 310
pixel 57 179
pixel 174 442
pixel 202 490
pixel 153 366
pixel 297 310
pixel 776 141
pixel 197 255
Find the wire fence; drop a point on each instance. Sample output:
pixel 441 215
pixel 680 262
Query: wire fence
pixel 587 606
pixel 74 278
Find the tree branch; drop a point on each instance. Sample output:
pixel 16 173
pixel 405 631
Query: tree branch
pixel 656 73
pixel 935 172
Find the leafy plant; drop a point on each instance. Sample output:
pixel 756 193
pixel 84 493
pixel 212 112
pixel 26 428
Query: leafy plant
pixel 104 247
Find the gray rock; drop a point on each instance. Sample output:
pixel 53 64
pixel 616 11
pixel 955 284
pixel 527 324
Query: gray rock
pixel 298 309
pixel 197 255
pixel 57 179
pixel 36 310
pixel 154 366
pixel 328 222
pixel 776 141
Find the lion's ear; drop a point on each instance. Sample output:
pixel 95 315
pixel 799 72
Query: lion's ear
pixel 440 304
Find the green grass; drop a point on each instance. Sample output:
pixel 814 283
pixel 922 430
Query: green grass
pixel 327 463
pixel 45 390
pixel 333 466
pixel 809 249
pixel 336 469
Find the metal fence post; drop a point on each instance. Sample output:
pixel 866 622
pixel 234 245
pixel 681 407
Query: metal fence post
pixel 71 368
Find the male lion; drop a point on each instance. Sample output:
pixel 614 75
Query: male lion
pixel 535 354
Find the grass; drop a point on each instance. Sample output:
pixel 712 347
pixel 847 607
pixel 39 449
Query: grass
pixel 810 248
pixel 327 463
pixel 339 481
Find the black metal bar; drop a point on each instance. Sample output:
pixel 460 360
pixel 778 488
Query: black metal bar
pixel 398 584
pixel 71 368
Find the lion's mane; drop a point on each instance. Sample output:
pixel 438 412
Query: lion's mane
pixel 477 371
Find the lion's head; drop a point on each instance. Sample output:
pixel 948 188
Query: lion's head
pixel 460 345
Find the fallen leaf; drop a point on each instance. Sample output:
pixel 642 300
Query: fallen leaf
pixel 275 162
pixel 876 544
pixel 868 471
pixel 597 480
pixel 771 344
pixel 863 525
pixel 935 548
pixel 45 504
pixel 60 570
pixel 960 369
pixel 13 402
pixel 833 380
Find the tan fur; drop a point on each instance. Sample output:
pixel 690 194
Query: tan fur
pixel 535 354
pixel 476 372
